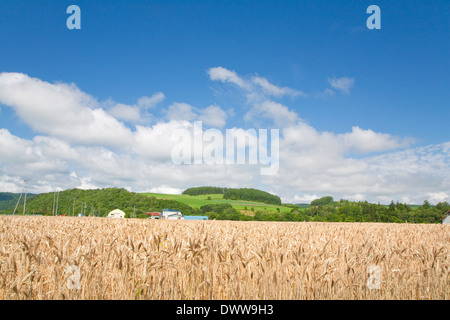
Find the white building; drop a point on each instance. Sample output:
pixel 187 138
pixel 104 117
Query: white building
pixel 171 214
pixel 117 213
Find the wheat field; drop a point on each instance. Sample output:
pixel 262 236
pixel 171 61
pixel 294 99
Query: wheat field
pixel 46 258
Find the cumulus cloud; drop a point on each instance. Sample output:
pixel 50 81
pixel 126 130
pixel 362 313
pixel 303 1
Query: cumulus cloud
pixel 213 115
pixel 277 112
pixel 225 75
pixel 61 110
pixel 326 94
pixel 137 113
pixel 181 111
pixel 165 190
pixel 298 199
pixel 343 84
pixel 126 113
pixel 79 144
pixel 255 85
pixel 322 168
pixel 259 93
pixel 274 90
pixel 366 141
pixel 151 102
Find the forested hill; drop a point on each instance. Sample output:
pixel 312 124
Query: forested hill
pixel 251 195
pixel 247 194
pixel 97 203
pixel 197 191
pixel 8 200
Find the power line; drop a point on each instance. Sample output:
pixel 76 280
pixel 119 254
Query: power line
pixel 25 189
pixel 25 200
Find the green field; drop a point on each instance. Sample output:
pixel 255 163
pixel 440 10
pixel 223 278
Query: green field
pixel 201 200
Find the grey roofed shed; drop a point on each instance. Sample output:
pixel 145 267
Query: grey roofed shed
pixel 446 218
pixel 117 213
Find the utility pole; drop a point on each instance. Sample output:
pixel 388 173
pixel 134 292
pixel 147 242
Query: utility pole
pixel 57 199
pixel 54 198
pixel 25 200
pixel 17 204
pixel 73 214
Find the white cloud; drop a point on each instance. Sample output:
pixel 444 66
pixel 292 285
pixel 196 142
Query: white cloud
pixel 165 190
pixel 256 86
pixel 80 145
pixel 342 84
pixel 436 197
pixel 126 113
pixel 306 198
pixel 225 75
pixel 322 167
pixel 61 110
pixel 278 113
pixel 136 113
pixel 366 141
pixel 258 90
pixel 155 143
pixel 274 90
pixel 151 102
pixel 181 111
pixel 326 94
pixel 213 116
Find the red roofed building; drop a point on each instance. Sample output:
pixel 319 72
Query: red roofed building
pixel 153 215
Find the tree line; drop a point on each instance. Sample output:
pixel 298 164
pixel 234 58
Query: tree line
pixel 246 194
pixel 97 202
pixel 341 211
pixel 197 191
pixel 101 202
pixel 9 200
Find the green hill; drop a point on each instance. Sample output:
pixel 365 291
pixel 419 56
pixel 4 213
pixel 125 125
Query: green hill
pixel 199 201
pixel 215 206
pixel 98 203
pixel 203 190
pixel 245 194
pixel 8 200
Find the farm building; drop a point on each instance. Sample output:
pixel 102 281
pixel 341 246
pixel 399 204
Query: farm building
pixel 117 213
pixel 153 215
pixel 171 214
pixel 446 218
pixel 195 218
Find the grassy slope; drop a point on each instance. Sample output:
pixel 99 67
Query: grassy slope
pixel 198 201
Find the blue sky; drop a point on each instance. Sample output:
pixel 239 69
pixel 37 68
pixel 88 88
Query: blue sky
pixel 125 50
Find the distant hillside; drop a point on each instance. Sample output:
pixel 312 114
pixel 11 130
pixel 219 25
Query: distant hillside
pixel 101 202
pixel 98 203
pixel 251 195
pixel 302 205
pixel 198 202
pixel 8 200
pixel 247 194
pixel 197 191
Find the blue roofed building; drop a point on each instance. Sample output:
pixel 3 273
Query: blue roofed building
pixel 195 218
